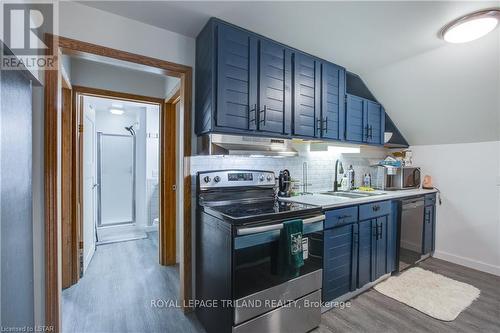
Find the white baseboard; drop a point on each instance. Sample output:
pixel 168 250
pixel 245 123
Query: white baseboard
pixel 88 258
pixel 150 228
pixel 467 262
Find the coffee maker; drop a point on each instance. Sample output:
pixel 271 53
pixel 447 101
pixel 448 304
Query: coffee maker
pixel 285 183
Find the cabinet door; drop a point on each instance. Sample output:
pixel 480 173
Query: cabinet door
pixel 355 119
pixel 428 229
pixel 340 261
pixel 332 121
pixel 366 251
pixel 236 78
pixel 274 87
pixel 306 107
pixel 375 122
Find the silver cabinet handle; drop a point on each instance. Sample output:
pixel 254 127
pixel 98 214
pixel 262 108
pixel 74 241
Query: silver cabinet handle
pixel 254 230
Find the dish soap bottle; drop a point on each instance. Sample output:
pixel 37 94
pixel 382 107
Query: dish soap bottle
pixel 345 182
pixel 366 180
pixel 351 177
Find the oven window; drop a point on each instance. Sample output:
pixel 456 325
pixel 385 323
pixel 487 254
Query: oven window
pixel 256 266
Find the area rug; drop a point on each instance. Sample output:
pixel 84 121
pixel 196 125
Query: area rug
pixel 433 294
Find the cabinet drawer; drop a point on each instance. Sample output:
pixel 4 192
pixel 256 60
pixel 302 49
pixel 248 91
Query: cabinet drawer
pixel 375 209
pixel 341 216
pixel 430 199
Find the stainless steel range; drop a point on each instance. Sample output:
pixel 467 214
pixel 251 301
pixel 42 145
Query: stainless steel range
pixel 239 220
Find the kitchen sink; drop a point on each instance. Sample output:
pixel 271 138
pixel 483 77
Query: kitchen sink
pixel 352 195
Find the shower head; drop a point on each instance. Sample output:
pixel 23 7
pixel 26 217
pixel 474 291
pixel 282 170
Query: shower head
pixel 131 129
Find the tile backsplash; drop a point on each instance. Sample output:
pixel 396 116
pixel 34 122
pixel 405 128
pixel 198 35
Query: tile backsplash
pixel 320 165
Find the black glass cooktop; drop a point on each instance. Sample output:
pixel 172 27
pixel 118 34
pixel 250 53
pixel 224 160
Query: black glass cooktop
pixel 263 210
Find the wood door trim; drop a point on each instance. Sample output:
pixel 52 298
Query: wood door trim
pixel 67 188
pixel 88 91
pixel 51 130
pixel 79 47
pixel 168 181
pixel 51 169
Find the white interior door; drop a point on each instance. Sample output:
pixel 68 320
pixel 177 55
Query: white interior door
pixel 89 184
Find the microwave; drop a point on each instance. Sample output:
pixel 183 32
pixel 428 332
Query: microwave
pixel 387 178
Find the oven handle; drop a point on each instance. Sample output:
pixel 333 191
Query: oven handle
pixel 256 230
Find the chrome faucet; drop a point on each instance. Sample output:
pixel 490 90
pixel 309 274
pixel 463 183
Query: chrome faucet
pixel 335 182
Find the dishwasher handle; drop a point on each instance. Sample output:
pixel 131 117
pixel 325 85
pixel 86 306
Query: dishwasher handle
pixel 412 204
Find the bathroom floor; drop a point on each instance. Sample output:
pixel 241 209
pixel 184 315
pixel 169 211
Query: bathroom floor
pixel 120 233
pixel 119 291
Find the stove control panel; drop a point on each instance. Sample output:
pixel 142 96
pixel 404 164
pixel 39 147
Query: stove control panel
pixel 236 178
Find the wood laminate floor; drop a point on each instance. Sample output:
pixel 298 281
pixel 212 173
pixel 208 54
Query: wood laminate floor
pixel 123 278
pixel 116 292
pixel 373 312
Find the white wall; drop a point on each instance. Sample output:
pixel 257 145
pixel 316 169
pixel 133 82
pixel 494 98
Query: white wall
pixel 152 142
pixel 468 222
pixel 447 95
pixel 98 27
pixel 38 206
pixel 104 76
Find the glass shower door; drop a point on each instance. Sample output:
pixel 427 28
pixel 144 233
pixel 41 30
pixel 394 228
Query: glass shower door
pixel 116 176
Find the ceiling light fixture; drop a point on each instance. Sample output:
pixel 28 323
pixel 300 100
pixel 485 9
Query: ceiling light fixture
pixel 471 26
pixel 116 111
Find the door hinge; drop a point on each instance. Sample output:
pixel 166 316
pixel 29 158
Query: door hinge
pixel 80 128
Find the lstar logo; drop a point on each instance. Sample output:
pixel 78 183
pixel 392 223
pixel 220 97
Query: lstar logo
pixel 25 25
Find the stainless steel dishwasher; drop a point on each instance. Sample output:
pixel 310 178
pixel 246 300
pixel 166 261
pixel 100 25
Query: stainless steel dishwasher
pixel 411 232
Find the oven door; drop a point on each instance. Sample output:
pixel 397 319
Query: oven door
pixel 258 287
pixel 410 178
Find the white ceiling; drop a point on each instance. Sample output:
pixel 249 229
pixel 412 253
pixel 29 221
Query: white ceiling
pixel 101 104
pixel 361 36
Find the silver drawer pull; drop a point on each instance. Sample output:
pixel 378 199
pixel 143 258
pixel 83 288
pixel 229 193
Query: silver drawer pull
pixel 254 230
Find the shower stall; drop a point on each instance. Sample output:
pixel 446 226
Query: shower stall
pixel 116 178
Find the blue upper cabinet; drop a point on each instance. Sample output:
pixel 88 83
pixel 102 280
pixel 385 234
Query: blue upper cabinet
pixel 236 79
pixel 307 94
pixel 247 84
pixel 355 119
pixel 365 121
pixel 332 120
pixel 274 110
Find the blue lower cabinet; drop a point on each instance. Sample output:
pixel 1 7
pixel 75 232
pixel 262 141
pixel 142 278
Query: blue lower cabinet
pixel 340 261
pixel 358 252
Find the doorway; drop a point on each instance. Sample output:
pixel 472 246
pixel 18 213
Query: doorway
pixel 60 210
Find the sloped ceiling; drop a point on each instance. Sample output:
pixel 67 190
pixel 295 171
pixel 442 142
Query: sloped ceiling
pixel 435 92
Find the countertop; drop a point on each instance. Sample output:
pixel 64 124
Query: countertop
pixel 328 201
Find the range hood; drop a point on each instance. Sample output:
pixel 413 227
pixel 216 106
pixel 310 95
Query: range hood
pixel 224 144
pixel 392 136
